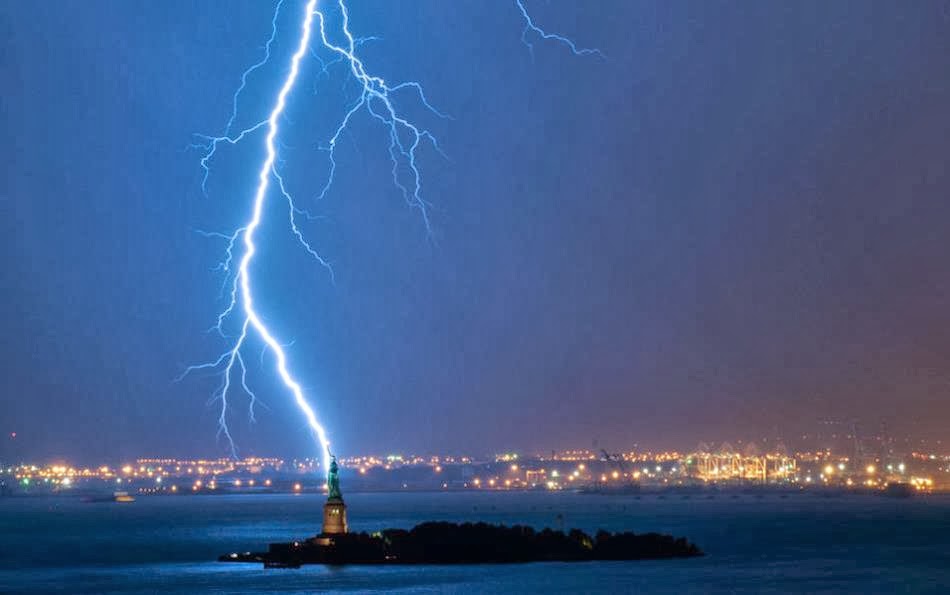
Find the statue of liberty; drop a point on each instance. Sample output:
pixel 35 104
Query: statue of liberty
pixel 334 510
pixel 333 481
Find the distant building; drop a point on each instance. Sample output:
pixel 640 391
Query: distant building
pixel 535 477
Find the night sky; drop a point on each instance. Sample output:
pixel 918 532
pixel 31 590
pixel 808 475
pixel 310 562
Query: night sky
pixel 735 225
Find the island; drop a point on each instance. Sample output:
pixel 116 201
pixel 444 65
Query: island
pixel 468 543
pixel 457 543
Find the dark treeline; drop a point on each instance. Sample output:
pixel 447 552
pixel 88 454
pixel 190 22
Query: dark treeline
pixel 480 542
pixel 475 543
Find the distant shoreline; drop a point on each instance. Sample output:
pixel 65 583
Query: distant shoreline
pixel 671 492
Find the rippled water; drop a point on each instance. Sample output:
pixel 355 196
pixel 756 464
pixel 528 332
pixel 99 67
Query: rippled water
pixel 859 544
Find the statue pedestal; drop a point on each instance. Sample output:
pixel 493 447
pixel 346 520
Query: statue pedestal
pixel 334 517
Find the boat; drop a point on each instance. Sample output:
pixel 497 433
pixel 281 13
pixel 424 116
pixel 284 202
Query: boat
pixel 115 497
pixel 899 490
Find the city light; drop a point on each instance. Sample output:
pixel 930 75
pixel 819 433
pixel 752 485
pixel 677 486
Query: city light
pixel 717 467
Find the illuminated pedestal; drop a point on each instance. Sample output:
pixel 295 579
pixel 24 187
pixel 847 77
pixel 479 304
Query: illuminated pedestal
pixel 334 517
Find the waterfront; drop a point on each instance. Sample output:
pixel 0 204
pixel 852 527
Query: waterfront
pixel 800 543
pixel 723 468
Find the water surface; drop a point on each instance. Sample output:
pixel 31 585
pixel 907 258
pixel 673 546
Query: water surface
pixel 804 544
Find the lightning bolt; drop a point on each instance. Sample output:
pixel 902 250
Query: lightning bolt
pixel 376 98
pixel 241 292
pixel 530 27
